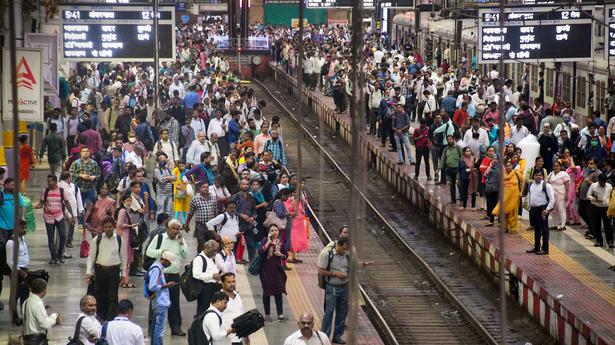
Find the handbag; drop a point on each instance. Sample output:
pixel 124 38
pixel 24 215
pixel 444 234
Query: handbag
pixel 84 251
pixel 180 191
pixel 272 218
pixel 134 238
pixel 255 265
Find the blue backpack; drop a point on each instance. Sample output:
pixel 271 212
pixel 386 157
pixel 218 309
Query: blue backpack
pixel 147 293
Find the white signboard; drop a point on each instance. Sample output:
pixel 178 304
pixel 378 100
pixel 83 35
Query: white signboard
pixel 49 44
pixel 30 84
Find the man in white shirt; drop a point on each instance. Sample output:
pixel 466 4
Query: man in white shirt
pixel 204 269
pixel 74 199
pixel 599 195
pixel 218 125
pixel 234 307
pixel 227 222
pixel 23 262
pixel 120 330
pixel 89 329
pixel 197 147
pixel 541 200
pixel 211 146
pixel 518 131
pixel 306 334
pixel 197 124
pixel 177 86
pixel 35 318
pixel 483 137
pixel 106 266
pixel 213 325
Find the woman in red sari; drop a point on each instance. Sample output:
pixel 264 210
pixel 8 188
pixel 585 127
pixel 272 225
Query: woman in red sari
pixel 26 161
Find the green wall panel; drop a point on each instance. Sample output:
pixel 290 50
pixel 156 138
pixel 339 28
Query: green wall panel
pixel 281 14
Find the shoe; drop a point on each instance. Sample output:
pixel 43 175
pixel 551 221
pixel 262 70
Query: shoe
pixel 429 178
pixel 400 163
pixel 542 252
pixel 611 246
pixel 140 270
pixel 67 256
pixel 598 245
pixel 532 251
pixel 1 306
pixel 392 150
pixel 338 341
pixel 416 177
pixel 286 268
pixel 139 274
pixel 268 318
pixel 412 162
pixel 69 244
pixel 62 261
pixel 281 318
pixel 53 262
pixel 179 332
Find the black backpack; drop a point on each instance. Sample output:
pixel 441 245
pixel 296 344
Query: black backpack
pixel 74 340
pixel 196 334
pixel 191 287
pixel 102 340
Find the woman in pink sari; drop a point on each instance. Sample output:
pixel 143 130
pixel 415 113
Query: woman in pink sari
pixel 103 207
pixel 299 241
pixel 124 224
pixel 572 214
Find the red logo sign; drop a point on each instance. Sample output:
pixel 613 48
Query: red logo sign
pixel 25 77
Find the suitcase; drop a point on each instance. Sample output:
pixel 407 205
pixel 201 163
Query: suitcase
pixel 248 323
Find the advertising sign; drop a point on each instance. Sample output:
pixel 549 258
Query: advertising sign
pixel 30 84
pixel 49 44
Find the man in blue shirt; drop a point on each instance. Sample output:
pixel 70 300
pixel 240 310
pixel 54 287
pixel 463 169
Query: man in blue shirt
pixel 158 291
pixel 191 98
pixel 7 224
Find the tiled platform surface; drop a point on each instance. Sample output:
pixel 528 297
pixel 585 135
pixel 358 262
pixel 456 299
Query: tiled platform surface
pixel 568 298
pixel 66 286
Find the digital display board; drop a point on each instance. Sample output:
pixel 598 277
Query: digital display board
pixel 350 3
pixel 610 18
pixel 116 33
pixel 536 34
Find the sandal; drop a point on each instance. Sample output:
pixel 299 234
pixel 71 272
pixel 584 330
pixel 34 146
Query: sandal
pixel 129 285
pixel 489 224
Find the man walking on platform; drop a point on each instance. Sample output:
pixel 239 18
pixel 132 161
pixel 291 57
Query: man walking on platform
pixel 541 201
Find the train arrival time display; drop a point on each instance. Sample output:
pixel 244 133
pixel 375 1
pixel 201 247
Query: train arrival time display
pixel 116 33
pixel 536 34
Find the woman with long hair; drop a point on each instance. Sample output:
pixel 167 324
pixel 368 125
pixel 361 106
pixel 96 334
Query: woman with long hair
pixel 272 276
pixel 26 161
pixel 124 226
pixel 467 179
pixel 513 180
pixel 560 181
pixel 299 241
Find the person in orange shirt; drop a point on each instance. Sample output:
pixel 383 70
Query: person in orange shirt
pixel 460 118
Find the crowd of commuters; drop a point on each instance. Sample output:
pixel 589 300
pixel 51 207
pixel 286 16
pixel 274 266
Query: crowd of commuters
pixel 450 112
pixel 219 174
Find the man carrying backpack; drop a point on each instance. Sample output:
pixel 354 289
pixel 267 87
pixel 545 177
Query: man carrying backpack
pixel 105 268
pixel 541 200
pixel 163 180
pixel 54 200
pixel 157 289
pixel 215 329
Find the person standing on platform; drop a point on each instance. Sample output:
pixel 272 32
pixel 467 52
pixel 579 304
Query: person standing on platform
pixel 246 211
pixel 89 331
pixel 216 330
pixel 203 207
pixel 174 242
pixel 272 275
pixel 121 330
pixel 85 172
pixel 158 286
pixel 26 161
pixel 209 276
pixel 421 141
pixel 512 197
pixel 106 267
pixel 55 145
pixel 23 262
pixel 306 335
pixel 541 200
pixel 76 204
pixel 234 307
pixel 6 216
pixel 599 194
pixel 449 165
pixel 164 177
pixel 334 267
pixel 36 320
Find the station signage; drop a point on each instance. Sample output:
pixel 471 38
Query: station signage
pixel 367 4
pixel 30 84
pixel 116 33
pixel 536 34
pixel 610 18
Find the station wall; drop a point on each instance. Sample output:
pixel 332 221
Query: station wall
pixel 282 14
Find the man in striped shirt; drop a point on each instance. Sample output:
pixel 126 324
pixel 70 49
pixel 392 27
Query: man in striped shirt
pixel 163 179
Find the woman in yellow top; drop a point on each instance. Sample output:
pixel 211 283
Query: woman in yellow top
pixel 181 200
pixel 513 180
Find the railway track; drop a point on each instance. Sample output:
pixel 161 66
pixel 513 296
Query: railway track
pixel 420 290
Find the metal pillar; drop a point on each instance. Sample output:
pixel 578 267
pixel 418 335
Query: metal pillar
pixel 156 62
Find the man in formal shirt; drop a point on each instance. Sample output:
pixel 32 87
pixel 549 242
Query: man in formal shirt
pixel 174 242
pixel 120 330
pixel 36 320
pixel 234 307
pixel 203 208
pixel 334 267
pixel 599 195
pixel 90 327
pixel 23 262
pixel 204 269
pixel 541 201
pixel 306 334
pixel 105 268
pixel 214 149
pixel 213 325
pixel 159 287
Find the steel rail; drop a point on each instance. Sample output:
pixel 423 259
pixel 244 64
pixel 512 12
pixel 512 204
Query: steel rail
pixel 428 270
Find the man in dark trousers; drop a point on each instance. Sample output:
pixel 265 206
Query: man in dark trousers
pixel 541 199
pixel 106 266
